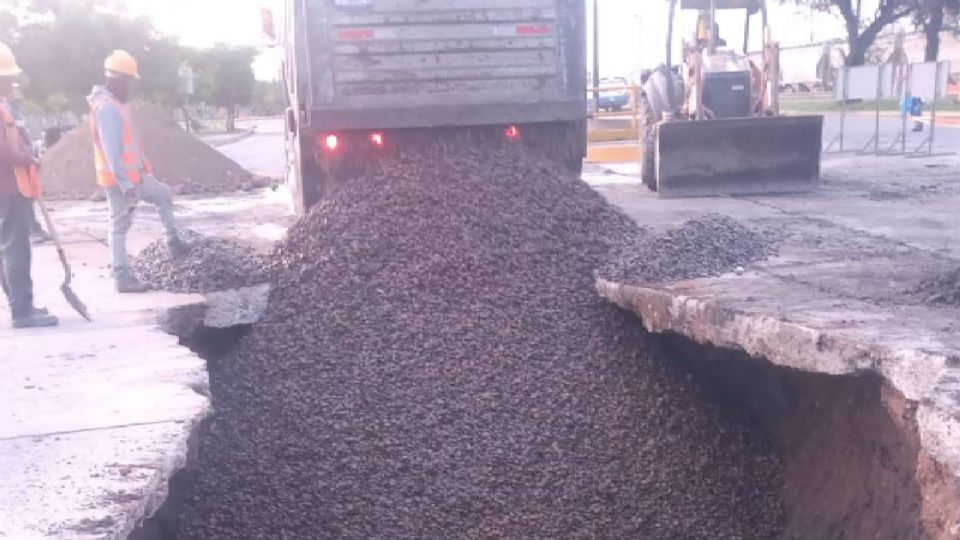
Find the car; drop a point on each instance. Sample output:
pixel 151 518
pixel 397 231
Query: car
pixel 618 97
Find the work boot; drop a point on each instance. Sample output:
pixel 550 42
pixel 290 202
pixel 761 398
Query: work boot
pixel 179 247
pixel 35 319
pixel 129 284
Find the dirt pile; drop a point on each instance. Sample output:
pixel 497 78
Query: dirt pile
pixel 213 264
pixel 943 289
pixel 704 247
pixel 435 363
pixel 179 159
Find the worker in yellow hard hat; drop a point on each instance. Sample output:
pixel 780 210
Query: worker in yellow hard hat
pixel 18 184
pixel 123 169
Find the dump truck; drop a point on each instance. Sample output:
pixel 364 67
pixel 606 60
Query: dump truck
pixel 712 125
pixel 363 76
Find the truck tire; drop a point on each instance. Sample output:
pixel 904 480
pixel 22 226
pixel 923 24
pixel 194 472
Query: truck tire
pixel 648 141
pixel 304 176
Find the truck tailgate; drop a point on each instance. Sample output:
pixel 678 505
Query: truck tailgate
pixel 409 54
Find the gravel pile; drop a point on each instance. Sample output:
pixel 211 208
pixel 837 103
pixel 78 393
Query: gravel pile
pixel 213 264
pixel 944 289
pixel 704 247
pixel 435 363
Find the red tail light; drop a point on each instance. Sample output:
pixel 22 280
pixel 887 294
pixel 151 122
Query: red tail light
pixel 331 142
pixel 512 133
pixel 376 139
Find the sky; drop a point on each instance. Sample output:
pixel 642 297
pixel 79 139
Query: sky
pixel 633 32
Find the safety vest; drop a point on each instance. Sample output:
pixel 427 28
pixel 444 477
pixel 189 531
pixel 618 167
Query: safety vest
pixel 129 156
pixel 28 178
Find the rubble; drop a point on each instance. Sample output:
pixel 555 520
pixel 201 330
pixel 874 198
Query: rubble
pixel 213 264
pixel 184 162
pixel 435 363
pixel 943 289
pixel 702 247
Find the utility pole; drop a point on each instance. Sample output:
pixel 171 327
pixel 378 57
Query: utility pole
pixel 596 54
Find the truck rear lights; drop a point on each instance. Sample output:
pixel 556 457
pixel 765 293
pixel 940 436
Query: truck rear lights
pixel 376 139
pixel 331 142
pixel 512 133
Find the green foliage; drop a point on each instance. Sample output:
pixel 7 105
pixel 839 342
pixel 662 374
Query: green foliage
pixel 268 98
pixel 62 45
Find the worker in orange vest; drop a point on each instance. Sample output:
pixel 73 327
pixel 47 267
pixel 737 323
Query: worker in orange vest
pixel 19 183
pixel 123 169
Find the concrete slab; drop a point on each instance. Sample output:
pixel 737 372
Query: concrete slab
pixel 839 299
pixel 95 418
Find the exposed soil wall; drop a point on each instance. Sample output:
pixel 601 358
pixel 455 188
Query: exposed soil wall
pixel 853 463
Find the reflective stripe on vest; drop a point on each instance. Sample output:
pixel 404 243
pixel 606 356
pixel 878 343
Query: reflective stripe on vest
pixel 130 155
pixel 28 180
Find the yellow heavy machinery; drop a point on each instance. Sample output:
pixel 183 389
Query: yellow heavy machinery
pixel 712 125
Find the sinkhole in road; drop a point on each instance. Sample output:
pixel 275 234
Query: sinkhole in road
pixel 853 466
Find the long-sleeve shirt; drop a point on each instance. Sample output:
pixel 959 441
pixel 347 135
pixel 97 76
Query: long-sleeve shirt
pixel 10 157
pixel 110 124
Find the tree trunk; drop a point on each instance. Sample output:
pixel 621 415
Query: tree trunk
pixel 932 30
pixel 858 50
pixel 232 118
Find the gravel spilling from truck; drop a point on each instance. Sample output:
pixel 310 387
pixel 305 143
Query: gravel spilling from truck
pixel 435 363
pixel 213 264
pixel 703 247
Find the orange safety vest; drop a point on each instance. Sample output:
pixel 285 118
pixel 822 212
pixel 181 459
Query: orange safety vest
pixel 28 178
pixel 132 149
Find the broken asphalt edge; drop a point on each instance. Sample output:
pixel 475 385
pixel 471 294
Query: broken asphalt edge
pixel 929 379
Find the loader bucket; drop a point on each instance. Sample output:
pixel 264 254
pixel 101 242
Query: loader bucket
pixel 739 156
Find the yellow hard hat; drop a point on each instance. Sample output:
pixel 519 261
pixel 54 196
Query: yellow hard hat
pixel 8 63
pixel 123 63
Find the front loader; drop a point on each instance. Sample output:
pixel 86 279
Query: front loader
pixel 712 125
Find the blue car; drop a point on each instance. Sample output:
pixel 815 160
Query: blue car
pixel 616 99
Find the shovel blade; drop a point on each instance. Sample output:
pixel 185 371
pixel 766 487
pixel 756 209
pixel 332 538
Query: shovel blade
pixel 75 302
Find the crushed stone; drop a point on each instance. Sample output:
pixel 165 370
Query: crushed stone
pixel 213 264
pixel 704 247
pixel 435 363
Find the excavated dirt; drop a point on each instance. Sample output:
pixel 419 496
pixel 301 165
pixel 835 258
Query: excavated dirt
pixel 435 363
pixel 704 247
pixel 185 163
pixel 944 289
pixel 213 264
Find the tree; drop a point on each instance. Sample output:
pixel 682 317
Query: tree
pixel 230 69
pixel 929 17
pixel 63 53
pixel 859 36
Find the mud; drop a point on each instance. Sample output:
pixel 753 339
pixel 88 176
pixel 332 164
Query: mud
pixel 703 247
pixel 435 363
pixel 213 264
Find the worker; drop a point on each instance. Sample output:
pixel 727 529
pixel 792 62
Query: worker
pixel 37 233
pixel 123 169
pixel 17 178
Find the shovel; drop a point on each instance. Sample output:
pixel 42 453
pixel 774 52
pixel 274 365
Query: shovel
pixel 68 293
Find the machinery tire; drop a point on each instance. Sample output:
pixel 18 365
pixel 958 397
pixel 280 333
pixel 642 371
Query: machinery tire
pixel 648 138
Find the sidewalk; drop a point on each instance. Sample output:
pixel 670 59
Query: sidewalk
pixel 96 417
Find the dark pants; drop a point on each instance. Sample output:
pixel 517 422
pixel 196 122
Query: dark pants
pixel 16 216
